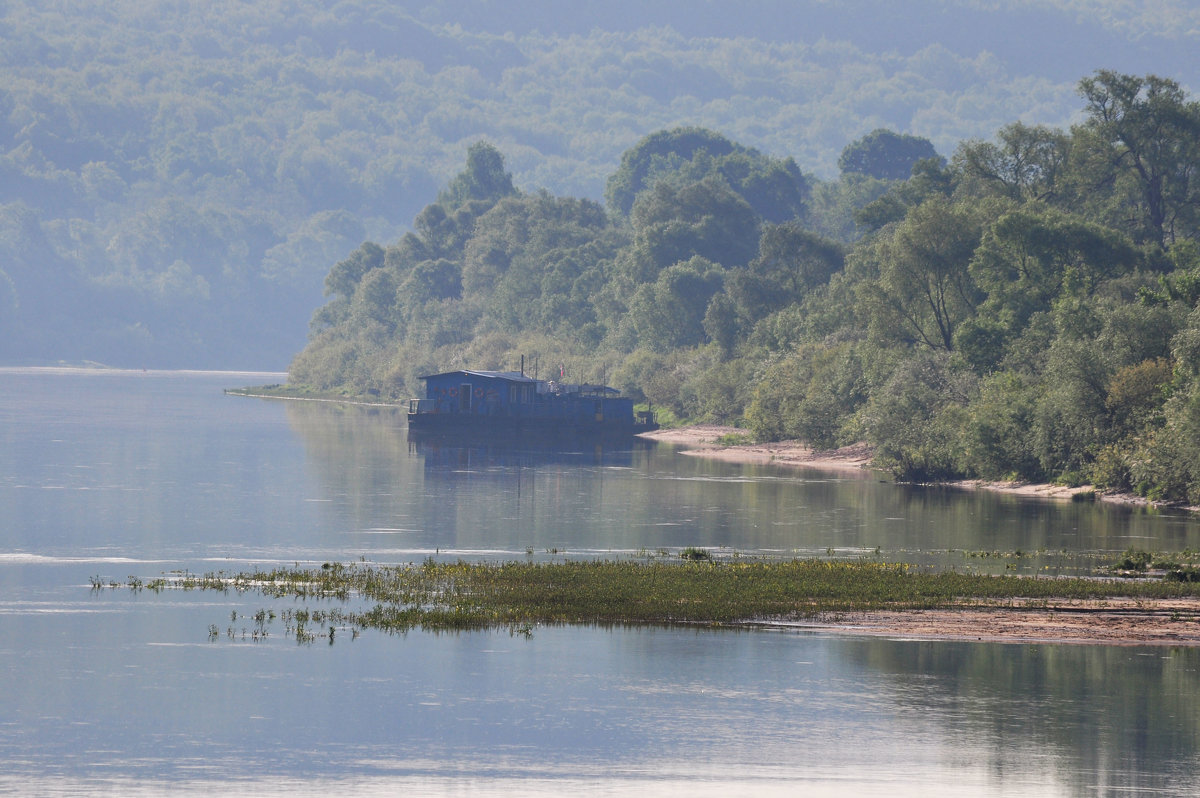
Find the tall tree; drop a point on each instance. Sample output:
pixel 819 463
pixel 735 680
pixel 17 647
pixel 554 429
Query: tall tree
pixel 1026 162
pixel 483 179
pixel 1143 132
pixel 924 290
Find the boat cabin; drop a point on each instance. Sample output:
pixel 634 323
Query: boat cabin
pixel 477 392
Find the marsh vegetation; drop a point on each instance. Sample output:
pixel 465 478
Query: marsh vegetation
pixel 446 596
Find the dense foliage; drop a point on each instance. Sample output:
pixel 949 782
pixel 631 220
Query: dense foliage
pixel 177 176
pixel 1026 309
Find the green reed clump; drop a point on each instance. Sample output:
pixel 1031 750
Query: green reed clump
pixel 1133 560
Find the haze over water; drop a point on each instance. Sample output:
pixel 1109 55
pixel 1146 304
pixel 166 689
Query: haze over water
pixel 112 474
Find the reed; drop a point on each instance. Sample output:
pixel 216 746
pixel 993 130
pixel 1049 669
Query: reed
pixel 461 595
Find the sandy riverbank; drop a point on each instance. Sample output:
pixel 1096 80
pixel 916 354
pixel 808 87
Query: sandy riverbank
pixel 1118 621
pixel 701 441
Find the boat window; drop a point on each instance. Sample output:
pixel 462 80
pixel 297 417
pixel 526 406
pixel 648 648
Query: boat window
pixel 464 396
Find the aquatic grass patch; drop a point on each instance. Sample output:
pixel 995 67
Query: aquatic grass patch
pixel 519 595
pixel 1179 566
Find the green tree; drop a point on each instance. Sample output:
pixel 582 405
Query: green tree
pixel 669 313
pixel 430 281
pixel 1026 163
pixel 484 179
pixel 809 395
pixel 931 178
pixel 1142 137
pixel 775 188
pixel 998 432
pixel 885 154
pixel 674 223
pixel 656 154
pixel 923 291
pixel 916 417
pixel 1026 259
pixel 343 279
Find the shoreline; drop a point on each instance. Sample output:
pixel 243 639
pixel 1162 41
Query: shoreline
pixel 700 440
pixel 1109 622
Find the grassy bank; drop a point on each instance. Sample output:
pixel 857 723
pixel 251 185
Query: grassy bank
pixel 517 595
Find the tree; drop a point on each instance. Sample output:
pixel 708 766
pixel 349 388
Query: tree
pixel 809 394
pixel 791 262
pixel 1031 254
pixel 649 157
pixel 915 418
pixel 930 178
pixel 1027 163
pixel 669 313
pixel 775 188
pixel 673 223
pixel 431 281
pixel 924 290
pixel 885 155
pixel 1143 132
pixel 483 179
pixel 343 278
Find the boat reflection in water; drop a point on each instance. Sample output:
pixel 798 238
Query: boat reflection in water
pixel 460 453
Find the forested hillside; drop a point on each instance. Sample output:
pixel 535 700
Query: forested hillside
pixel 1025 308
pixel 177 177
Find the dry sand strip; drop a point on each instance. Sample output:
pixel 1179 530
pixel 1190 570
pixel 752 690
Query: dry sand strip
pixel 701 441
pixel 1118 621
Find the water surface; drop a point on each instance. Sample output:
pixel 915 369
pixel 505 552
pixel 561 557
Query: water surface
pixel 111 474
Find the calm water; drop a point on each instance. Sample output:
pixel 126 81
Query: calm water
pixel 118 474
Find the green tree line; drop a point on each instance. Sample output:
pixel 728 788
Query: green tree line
pixel 1025 309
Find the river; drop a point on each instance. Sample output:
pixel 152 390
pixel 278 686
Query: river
pixel 108 474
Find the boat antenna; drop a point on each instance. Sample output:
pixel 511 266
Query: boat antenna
pixel 522 365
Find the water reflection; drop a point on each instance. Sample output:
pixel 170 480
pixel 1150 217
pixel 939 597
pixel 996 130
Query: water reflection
pixel 453 455
pixel 1116 719
pixel 489 497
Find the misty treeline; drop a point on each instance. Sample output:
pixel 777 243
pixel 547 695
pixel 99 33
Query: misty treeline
pixel 1027 308
pixel 177 176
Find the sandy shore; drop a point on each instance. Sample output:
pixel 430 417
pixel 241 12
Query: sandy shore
pixel 701 441
pixel 1165 622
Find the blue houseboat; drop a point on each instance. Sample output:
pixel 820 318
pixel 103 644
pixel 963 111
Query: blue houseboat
pixel 510 403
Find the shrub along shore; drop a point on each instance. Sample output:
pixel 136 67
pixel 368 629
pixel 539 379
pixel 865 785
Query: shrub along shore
pixel 858 596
